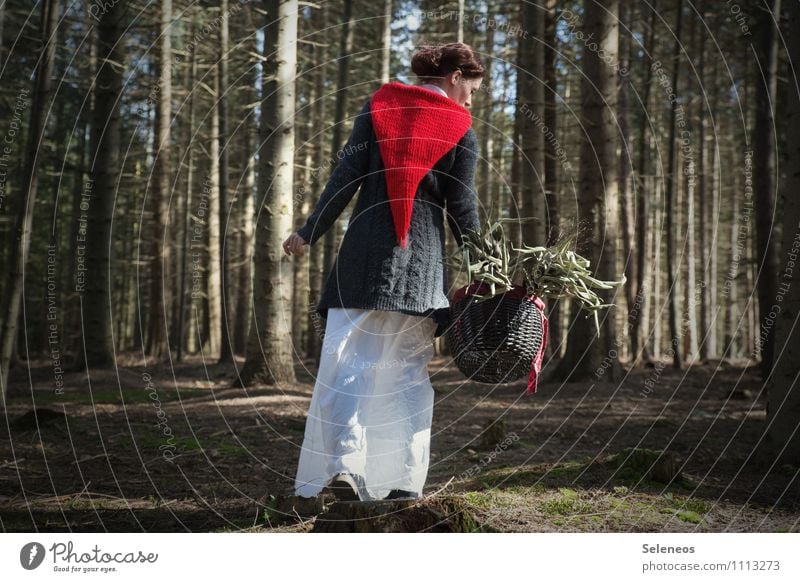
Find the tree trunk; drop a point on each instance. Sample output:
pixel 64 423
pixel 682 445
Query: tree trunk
pixel 690 170
pixel 386 32
pixel 299 312
pixel 317 258
pixel 72 317
pixel 460 26
pixel 122 289
pixel 605 190
pixel 486 129
pixel 160 282
pixel 531 107
pixel 245 289
pixel 226 239
pixel 211 189
pixel 20 244
pixel 301 210
pixel 553 213
pixel 754 344
pixel 514 208
pixel 345 49
pixel 185 285
pixel 640 285
pixel 782 439
pixel 733 321
pixel 764 178
pixel 702 170
pixel 598 196
pixel 669 202
pixel 550 89
pixel 626 207
pixel 2 25
pixel 244 301
pixel 97 347
pixel 713 225
pixel 269 353
pixel 655 273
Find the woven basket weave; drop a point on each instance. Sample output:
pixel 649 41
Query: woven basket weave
pixel 494 341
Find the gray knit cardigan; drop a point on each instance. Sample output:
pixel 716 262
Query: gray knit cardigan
pixel 371 270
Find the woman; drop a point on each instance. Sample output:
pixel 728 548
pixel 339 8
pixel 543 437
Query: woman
pixel 413 153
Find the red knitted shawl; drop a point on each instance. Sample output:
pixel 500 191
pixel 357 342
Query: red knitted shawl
pixel 415 128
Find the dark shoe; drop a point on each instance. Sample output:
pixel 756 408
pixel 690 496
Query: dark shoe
pixel 343 487
pixel 401 494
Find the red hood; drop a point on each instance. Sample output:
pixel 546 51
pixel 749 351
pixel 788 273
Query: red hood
pixel 415 128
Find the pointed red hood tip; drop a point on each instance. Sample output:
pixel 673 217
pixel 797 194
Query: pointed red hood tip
pixel 414 127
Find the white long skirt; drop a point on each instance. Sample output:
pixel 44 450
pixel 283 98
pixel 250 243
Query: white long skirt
pixel 372 404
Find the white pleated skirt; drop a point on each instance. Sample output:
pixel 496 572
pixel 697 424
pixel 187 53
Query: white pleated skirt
pixel 372 404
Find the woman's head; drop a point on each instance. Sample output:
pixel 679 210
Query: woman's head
pixel 454 67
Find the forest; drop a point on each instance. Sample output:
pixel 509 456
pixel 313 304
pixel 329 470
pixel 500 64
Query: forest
pixel 155 339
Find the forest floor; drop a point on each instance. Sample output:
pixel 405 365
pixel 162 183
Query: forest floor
pixel 557 461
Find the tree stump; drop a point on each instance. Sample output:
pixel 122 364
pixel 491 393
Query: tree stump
pixel 661 466
pixel 440 514
pixel 288 507
pixel 494 433
pixel 40 417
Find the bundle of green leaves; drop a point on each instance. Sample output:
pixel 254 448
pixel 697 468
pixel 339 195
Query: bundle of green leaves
pixel 548 272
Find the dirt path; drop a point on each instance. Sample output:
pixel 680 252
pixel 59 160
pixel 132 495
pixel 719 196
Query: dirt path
pixel 164 450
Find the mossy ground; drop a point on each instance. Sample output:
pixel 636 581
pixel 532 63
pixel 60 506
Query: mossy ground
pixel 577 458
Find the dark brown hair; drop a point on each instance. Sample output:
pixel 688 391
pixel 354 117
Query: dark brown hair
pixel 432 62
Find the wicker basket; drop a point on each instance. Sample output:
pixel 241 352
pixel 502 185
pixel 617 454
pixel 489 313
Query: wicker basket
pixel 495 340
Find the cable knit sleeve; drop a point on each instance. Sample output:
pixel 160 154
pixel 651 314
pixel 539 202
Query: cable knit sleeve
pixel 344 181
pixel 460 195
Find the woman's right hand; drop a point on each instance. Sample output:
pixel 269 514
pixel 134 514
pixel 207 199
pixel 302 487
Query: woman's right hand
pixel 294 245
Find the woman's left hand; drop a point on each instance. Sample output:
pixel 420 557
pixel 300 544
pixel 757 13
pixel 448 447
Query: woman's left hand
pixel 294 245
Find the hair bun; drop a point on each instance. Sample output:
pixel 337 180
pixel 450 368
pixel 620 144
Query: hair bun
pixel 437 61
pixel 425 62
